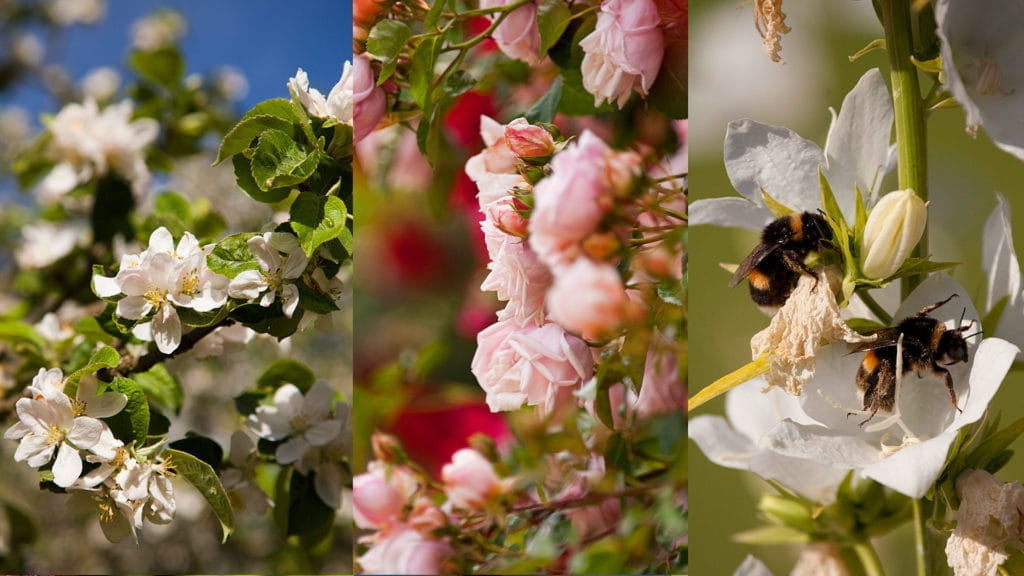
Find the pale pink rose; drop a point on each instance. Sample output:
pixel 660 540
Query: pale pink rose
pixel 517 365
pixel 516 274
pixel 405 169
pixel 569 204
pixel 518 35
pixel 507 217
pixel 588 299
pixel 662 390
pixel 379 495
pixel 369 100
pixel 405 550
pixel 528 141
pixel 624 52
pixel 470 481
pixel 494 168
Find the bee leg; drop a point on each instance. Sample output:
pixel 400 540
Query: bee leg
pixel 872 415
pixel 928 309
pixel 949 386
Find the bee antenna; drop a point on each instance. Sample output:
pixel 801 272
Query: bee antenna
pixel 973 335
pixel 962 314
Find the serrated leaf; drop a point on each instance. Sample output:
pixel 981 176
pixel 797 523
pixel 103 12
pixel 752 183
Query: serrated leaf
pixel 316 219
pixel 231 256
pixel 286 371
pixel 553 17
pixel 132 423
pixel 243 175
pixel 385 43
pixel 278 161
pixel 248 129
pixel 164 67
pixel 200 475
pixel 161 388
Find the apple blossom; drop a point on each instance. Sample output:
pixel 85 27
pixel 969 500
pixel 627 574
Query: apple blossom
pixel 379 495
pixel 88 142
pixel 518 35
pixel 271 279
pixel 302 421
pixel 517 365
pixel 240 479
pixel 68 12
pixel 159 30
pixel 327 462
pixel 761 158
pixel 470 481
pixel 895 226
pixel 623 54
pixel 101 84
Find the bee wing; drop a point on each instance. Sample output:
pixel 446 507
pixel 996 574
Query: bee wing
pixel 884 337
pixel 753 259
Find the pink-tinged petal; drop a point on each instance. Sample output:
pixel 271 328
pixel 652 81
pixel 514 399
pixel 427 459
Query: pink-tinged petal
pixel 133 307
pixel 68 466
pixel 167 329
pixel 161 241
pixel 34 449
pixel 319 401
pixel 17 431
pixel 86 432
pixel 323 432
pixel 247 285
pixel 291 450
pixel 106 404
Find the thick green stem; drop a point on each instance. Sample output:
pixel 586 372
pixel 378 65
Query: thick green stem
pixel 910 111
pixel 868 557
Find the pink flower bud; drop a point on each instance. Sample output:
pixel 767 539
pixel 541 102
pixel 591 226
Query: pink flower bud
pixel 470 481
pixel 369 101
pixel 379 496
pixel 528 141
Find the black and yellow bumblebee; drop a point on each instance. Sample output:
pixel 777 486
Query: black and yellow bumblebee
pixel 775 265
pixel 928 346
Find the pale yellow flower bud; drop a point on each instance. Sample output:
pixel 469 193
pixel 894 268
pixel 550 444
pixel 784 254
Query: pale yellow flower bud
pixel 894 227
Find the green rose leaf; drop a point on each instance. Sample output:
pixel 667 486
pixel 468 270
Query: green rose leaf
pixel 316 219
pixel 204 478
pixel 278 161
pixel 231 256
pixel 553 17
pixel 385 43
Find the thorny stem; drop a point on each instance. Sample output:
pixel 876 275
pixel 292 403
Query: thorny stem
pixel 909 109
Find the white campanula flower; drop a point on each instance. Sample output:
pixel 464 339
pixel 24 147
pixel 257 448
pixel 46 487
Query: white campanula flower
pixel 982 47
pixel 302 421
pixel 274 273
pixel 51 423
pixel 158 279
pixel 1003 271
pixel 88 142
pixel 893 229
pixel 776 160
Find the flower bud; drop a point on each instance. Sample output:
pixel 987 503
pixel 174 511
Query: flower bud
pixel 470 480
pixel 894 227
pixel 526 140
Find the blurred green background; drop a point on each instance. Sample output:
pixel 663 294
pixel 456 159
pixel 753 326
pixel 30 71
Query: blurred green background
pixel 732 78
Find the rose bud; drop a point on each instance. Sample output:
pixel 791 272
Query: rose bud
pixel 529 141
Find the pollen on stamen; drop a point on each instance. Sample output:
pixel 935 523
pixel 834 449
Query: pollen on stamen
pixel 54 435
pixel 154 296
pixel 78 407
pixel 190 283
pixel 299 424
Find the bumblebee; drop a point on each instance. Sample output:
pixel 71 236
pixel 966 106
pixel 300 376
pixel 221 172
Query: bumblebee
pixel 775 265
pixel 927 347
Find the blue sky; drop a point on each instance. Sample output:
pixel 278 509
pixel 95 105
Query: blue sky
pixel 266 39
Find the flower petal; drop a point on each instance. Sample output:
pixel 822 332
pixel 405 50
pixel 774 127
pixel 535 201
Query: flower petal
pixel 730 212
pixel 68 466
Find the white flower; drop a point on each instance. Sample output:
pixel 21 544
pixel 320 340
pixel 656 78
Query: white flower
pixel 1003 270
pixel 68 12
pixel 905 451
pixel 751 566
pixel 224 340
pixel 45 243
pixel 893 229
pixel 240 479
pixel 143 491
pixel 301 421
pixel 328 461
pixel 785 166
pixel 271 278
pixel 982 43
pixel 339 100
pixel 337 105
pixel 101 84
pixel 160 30
pixel 49 423
pixel 88 142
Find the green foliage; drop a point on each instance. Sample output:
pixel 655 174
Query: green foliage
pixel 164 67
pixel 132 423
pixel 286 371
pixel 204 478
pixel 319 219
pixel 385 43
pixel 232 256
pixel 162 388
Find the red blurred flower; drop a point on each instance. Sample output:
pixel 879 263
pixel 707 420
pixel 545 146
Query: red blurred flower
pixel 432 433
pixel 463 119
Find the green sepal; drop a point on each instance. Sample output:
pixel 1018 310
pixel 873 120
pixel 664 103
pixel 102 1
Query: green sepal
pixel 206 481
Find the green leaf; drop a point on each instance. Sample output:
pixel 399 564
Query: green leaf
pixel 545 108
pixel 132 423
pixel 105 357
pixel 161 388
pixel 240 137
pixel 206 481
pixel 194 318
pixel 316 219
pixel 91 328
pixel 286 371
pixel 201 447
pixel 385 43
pixel 270 320
pixel 995 444
pixel 553 17
pixel 21 334
pixel 243 175
pixel 164 67
pixel 231 256
pixel 283 499
pixel 920 267
pixel 434 14
pixel 994 315
pixel 112 210
pixel 307 514
pixel 421 74
pixel 278 161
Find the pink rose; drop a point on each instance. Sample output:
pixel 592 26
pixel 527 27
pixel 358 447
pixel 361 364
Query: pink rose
pixel 519 365
pixel 624 52
pixel 470 481
pixel 588 299
pixel 369 101
pixel 516 274
pixel 518 35
pixel 379 495
pixel 494 168
pixel 405 550
pixel 662 390
pixel 528 141
pixel 570 203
